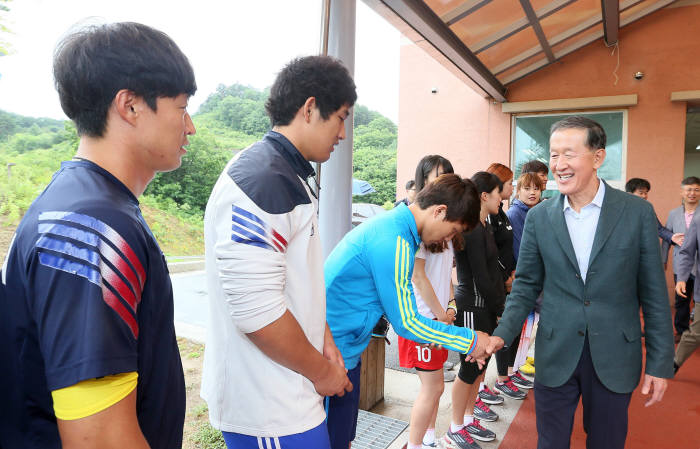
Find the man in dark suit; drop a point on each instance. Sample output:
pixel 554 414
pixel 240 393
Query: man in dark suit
pixel 594 253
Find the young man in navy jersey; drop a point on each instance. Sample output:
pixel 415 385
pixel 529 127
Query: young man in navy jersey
pixel 270 356
pixel 89 305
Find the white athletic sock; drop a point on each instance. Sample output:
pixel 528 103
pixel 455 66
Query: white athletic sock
pixel 456 427
pixel 414 446
pixel 468 419
pixel 481 386
pixel 429 437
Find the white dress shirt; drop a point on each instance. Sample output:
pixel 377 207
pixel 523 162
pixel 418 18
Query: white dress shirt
pixel 582 226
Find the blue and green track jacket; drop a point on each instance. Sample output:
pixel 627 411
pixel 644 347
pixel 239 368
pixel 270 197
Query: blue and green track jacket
pixel 369 274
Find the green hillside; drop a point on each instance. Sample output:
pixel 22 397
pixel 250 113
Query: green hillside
pixel 233 117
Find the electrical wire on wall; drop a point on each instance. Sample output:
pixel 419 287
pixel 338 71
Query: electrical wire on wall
pixel 616 47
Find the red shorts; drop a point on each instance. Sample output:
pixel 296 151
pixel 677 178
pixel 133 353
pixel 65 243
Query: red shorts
pixel 412 355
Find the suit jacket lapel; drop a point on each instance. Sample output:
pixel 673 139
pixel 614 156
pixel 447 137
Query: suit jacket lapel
pixel 561 231
pixel 610 213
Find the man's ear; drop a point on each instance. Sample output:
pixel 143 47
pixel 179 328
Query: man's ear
pixel 307 108
pixel 128 105
pixel 440 211
pixel 599 158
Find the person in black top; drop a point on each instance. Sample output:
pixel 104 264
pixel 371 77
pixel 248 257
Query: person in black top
pixel 503 233
pixel 502 230
pixel 480 297
pixel 93 359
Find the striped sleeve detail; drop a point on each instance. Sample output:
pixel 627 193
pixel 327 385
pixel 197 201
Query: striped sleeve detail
pixel 249 229
pixel 89 248
pixel 409 316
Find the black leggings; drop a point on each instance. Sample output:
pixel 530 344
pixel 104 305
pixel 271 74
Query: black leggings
pixel 506 356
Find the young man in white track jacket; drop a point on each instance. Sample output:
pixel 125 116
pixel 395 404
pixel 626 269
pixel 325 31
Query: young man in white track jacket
pixel 270 356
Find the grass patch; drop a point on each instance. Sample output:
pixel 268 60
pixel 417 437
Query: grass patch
pixel 207 437
pixel 200 410
pixel 194 355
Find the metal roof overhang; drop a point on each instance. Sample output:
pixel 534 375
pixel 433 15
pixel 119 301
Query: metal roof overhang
pixel 490 44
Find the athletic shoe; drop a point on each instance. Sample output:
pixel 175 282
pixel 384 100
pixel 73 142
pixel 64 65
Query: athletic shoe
pixel 479 432
pixel 488 396
pixel 509 389
pixel 483 412
pixel 432 445
pixel 459 440
pixel 521 382
pixel 528 369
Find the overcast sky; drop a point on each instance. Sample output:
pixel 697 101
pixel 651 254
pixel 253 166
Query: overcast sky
pixel 227 42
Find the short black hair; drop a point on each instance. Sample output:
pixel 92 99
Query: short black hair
pixel 323 77
pixel 637 183
pixel 535 166
pixel 595 139
pixel 93 63
pixel 459 195
pixel 486 182
pixel 427 165
pixel 410 184
pixel 691 180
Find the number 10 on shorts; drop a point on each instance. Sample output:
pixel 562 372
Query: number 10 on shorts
pixel 424 353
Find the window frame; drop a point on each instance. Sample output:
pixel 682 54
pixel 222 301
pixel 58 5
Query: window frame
pixel 552 184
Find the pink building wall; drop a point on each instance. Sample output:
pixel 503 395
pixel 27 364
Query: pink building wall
pixel 455 122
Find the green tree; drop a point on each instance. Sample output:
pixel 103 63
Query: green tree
pixel 362 115
pixel 190 185
pixel 378 167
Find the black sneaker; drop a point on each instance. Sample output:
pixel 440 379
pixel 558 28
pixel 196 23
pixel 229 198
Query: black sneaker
pixel 521 382
pixel 479 432
pixel 488 396
pixel 509 389
pixel 484 412
pixel 459 440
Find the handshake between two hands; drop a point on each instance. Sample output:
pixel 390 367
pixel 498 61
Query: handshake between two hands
pixel 485 346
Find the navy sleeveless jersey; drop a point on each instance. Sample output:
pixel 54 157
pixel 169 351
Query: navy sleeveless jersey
pixel 88 294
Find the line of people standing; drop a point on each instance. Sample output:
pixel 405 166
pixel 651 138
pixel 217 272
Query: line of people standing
pixel 86 301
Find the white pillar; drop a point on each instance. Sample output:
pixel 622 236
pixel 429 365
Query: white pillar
pixel 335 208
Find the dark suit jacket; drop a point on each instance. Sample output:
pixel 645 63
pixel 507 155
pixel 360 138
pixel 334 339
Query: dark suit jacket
pixel 624 273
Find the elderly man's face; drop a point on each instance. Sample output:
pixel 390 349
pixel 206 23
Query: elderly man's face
pixel 573 165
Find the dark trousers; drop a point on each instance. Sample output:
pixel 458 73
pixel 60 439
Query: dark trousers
pixel 681 320
pixel 604 411
pixel 506 357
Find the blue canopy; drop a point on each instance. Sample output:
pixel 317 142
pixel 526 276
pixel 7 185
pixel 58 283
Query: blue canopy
pixel 360 187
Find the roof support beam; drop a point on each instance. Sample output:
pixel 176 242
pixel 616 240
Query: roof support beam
pixel 422 19
pixel 463 11
pixel 535 24
pixel 561 37
pixel 587 40
pixel 611 21
pixel 518 25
